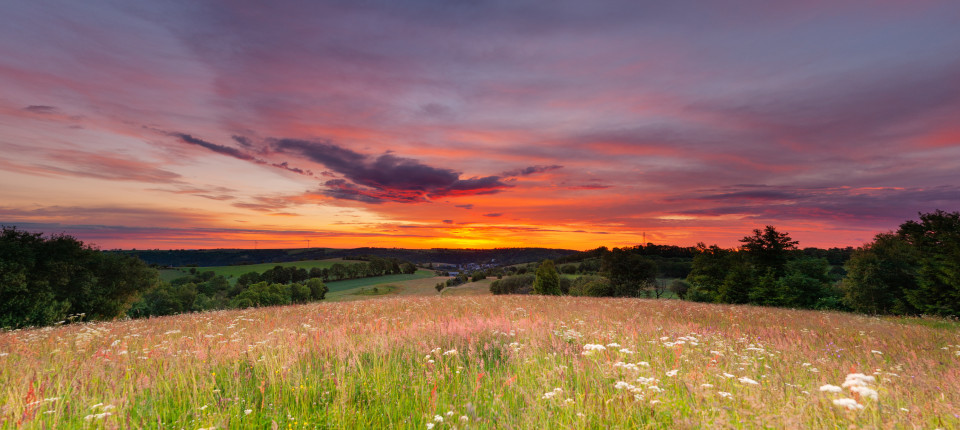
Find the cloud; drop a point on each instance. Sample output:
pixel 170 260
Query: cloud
pixel 220 149
pixel 448 221
pixel 97 166
pixel 466 206
pixel 588 187
pixel 493 215
pixel 41 109
pixel 242 140
pixel 531 170
pixel 387 177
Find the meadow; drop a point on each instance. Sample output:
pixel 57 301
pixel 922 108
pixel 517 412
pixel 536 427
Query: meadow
pixel 480 361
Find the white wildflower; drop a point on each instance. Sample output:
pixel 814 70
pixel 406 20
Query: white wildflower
pixel 706 385
pixel 672 373
pixel 429 426
pixel 876 352
pixel 437 419
pixel 848 403
pixel 590 349
pixel 464 418
pixel 613 345
pixel 449 413
pixel 724 394
pixel 858 380
pixel 625 351
pixel 864 391
pixel 748 381
pixel 450 352
pixel 727 375
pixel 247 411
pixel 830 388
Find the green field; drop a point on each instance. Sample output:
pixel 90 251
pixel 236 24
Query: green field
pixel 376 280
pixel 237 270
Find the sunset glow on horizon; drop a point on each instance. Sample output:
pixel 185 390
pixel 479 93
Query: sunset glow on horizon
pixel 176 124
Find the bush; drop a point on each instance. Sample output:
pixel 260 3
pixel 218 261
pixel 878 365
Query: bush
pixel 521 284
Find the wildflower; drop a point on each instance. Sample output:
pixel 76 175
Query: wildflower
pixel 613 345
pixel 848 403
pixel 429 426
pixel 876 352
pixel 724 394
pixel 623 385
pixel 590 349
pixel 625 351
pixel 672 373
pixel 643 363
pixel 727 375
pixel 450 352
pixel 706 385
pixel 857 380
pixel 247 411
pixel 864 391
pixel 653 402
pixel 569 401
pixel 437 419
pixel 449 413
pixel 830 388
pixel 551 394
pixel 464 418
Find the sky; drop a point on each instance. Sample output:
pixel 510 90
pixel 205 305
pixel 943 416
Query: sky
pixel 476 124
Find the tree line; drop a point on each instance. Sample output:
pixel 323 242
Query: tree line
pixel 915 270
pixel 59 279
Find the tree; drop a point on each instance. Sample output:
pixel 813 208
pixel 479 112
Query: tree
pixel 879 274
pixel 766 291
pixel 707 273
pixel 936 237
pixel 769 249
pixel 737 284
pixel 679 288
pixel 44 280
pixel 630 274
pixel 318 290
pixel 805 282
pixel 547 280
pixel 408 268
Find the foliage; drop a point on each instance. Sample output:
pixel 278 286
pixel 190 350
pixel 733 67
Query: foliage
pixel 547 280
pixel 629 274
pixel 769 249
pixel 936 237
pixel 520 284
pixel 45 280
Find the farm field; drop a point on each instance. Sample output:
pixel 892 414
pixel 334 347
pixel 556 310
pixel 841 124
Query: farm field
pixel 486 362
pixel 414 287
pixel 350 284
pixel 232 272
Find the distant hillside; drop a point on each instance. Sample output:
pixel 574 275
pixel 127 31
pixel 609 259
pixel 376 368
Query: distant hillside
pixel 226 257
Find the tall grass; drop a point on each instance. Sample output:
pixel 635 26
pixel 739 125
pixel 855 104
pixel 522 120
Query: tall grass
pixel 483 362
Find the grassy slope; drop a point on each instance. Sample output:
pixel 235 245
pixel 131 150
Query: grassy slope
pixel 382 363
